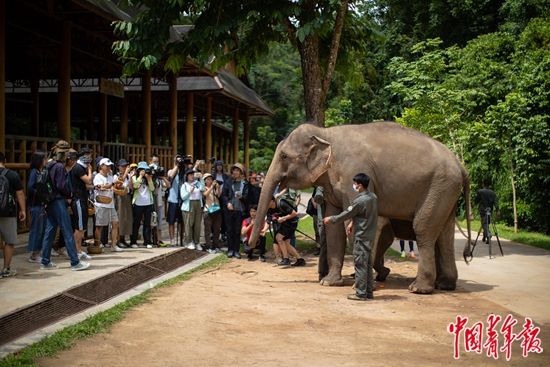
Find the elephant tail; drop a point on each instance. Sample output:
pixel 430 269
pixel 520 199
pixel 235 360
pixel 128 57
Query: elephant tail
pixel 467 252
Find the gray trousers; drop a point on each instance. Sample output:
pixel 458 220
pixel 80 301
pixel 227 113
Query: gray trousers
pixel 364 280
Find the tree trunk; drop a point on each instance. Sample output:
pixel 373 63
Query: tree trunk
pixel 311 79
pixel 316 77
pixel 512 174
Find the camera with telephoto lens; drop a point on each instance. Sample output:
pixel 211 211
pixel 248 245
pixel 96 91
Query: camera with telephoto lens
pixel 188 159
pixel 180 161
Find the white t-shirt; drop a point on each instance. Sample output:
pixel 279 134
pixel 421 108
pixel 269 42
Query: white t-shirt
pixel 99 179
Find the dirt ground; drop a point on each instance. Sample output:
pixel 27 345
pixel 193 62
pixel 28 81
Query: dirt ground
pixel 256 314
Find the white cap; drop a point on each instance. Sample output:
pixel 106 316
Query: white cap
pixel 105 161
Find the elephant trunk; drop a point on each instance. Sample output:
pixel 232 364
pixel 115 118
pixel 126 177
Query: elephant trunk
pixel 272 178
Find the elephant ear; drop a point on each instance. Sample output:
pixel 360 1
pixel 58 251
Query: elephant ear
pixel 319 158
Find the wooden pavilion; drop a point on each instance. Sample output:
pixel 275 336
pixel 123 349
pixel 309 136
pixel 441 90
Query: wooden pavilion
pixel 59 79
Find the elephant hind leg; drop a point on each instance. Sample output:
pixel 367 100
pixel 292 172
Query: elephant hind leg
pixel 384 240
pixel 447 273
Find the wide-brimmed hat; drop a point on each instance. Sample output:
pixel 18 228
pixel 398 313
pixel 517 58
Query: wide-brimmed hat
pixel 206 175
pixel 142 165
pixel 239 166
pixel 123 162
pixel 106 162
pixel 133 165
pixel 61 146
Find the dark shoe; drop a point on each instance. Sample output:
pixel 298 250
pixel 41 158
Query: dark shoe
pixel 262 258
pixel 299 262
pixel 237 255
pixel 317 251
pixel 370 296
pixel 251 257
pixel 284 262
pixel 355 297
pixel 230 253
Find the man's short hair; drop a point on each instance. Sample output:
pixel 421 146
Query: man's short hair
pixel 253 207
pixel 84 151
pixel 362 178
pixel 2 158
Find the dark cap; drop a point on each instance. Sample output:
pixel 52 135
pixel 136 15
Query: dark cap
pixel 84 151
pixel 189 171
pixel 123 162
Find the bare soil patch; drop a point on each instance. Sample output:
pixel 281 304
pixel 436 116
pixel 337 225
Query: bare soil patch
pixel 256 314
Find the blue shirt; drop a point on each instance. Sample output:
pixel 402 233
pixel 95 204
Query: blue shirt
pixel 174 192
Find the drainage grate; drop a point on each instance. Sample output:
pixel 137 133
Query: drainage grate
pixel 77 299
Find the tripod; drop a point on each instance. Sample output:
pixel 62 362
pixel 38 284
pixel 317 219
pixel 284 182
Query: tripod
pixel 486 225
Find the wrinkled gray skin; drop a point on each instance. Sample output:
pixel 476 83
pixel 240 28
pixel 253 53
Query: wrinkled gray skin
pixel 417 180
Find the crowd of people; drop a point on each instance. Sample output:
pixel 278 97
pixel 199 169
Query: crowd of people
pixel 205 211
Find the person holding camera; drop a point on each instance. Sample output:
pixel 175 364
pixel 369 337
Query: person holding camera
pixel 176 176
pixel 142 202
pixel 161 185
pixel 487 201
pixel 234 196
pixel 212 213
pixel 81 176
pixel 105 212
pixel 191 195
pixel 123 202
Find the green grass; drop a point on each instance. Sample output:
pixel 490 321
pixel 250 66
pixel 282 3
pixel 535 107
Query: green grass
pixel 528 238
pixel 98 323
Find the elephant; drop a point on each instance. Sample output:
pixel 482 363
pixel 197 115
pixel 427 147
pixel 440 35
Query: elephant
pixel 417 180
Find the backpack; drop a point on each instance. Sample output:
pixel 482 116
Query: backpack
pixel 7 203
pixel 44 186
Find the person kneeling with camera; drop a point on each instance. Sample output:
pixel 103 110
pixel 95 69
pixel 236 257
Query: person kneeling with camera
pixel 142 202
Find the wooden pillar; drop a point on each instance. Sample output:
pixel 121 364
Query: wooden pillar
pixel 235 138
pixel 64 86
pixel 124 119
pixel 146 90
pixel 2 76
pixel 174 114
pixel 189 125
pixel 35 84
pixel 227 149
pixel 246 141
pixel 208 131
pixel 103 118
pixel 200 138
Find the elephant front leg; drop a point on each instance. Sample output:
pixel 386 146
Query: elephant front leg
pixel 336 246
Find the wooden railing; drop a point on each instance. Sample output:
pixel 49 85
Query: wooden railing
pixel 19 150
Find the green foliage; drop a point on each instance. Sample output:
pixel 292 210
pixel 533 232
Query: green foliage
pixel 489 102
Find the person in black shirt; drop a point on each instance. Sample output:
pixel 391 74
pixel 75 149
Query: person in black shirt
pixel 81 176
pixel 234 196
pixel 487 201
pixel 285 221
pixel 8 220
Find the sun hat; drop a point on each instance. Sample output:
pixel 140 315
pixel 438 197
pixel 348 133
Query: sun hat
pixel 106 162
pixel 206 175
pixel 122 162
pixel 142 165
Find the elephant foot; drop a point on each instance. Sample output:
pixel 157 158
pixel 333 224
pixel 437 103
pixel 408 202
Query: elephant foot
pixel 332 281
pixel 322 275
pixel 382 274
pixel 445 285
pixel 417 287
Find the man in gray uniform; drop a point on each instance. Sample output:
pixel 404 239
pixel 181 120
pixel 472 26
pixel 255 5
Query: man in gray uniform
pixel 364 212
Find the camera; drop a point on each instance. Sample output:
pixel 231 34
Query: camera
pixel 188 159
pixel 156 171
pixel 180 161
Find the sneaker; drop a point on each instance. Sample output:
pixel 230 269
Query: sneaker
pixel 6 273
pixel 299 262
pixel 80 266
pixel 262 258
pixel 164 244
pixel 198 247
pixel 237 255
pixel 191 246
pixel 64 252
pixel 403 254
pixel 284 262
pixel 134 245
pixel 355 297
pixel 230 254
pixel 149 246
pixel 84 256
pixel 115 248
pixel 51 265
pixel 122 245
pixel 211 251
pixel 55 253
pixel 35 259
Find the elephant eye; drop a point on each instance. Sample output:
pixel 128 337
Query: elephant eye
pixel 283 156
